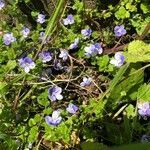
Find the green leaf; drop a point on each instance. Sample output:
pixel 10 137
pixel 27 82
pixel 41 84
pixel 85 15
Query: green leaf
pixel 47 111
pixel 61 132
pixel 144 93
pixel 118 77
pixel 33 134
pixel 138 51
pixel 3 136
pixel 95 106
pixel 129 85
pixel 8 142
pixel 145 7
pixel 3 88
pixel 130 111
pixel 78 6
pixel 34 14
pixel 31 122
pixel 102 62
pixel 2 85
pixel 37 118
pixel 43 99
pixel 35 36
pixel 64 131
pixel 10 65
pixel 11 53
pixel 140 23
pixel 139 146
pixel 107 15
pixel 93 146
pixel 131 7
pixel 122 13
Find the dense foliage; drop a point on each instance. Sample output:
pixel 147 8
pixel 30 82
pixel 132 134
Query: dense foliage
pixel 74 74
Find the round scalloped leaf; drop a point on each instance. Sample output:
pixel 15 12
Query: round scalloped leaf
pixel 138 51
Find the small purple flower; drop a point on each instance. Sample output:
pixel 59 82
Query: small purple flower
pixel 93 50
pixel 8 38
pixel 41 37
pixel 54 93
pixel 55 119
pixel 27 64
pixel 2 4
pixel 45 56
pixel 86 81
pixel 75 44
pixel 64 55
pixel 86 32
pixel 98 48
pixel 118 60
pixel 72 108
pixel 144 109
pixel 58 65
pixel 119 30
pixel 68 20
pixel 25 32
pixel 41 18
pixel 90 50
pixel 42 34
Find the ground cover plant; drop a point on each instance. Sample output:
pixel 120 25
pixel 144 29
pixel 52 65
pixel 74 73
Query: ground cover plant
pixel 74 74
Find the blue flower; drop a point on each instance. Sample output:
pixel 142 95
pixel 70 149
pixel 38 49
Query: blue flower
pixel 93 50
pixel 86 32
pixel 119 30
pixel 41 37
pixel 54 93
pixel 72 108
pixel 58 65
pixel 98 48
pixel 118 60
pixel 68 20
pixel 2 4
pixel 41 18
pixel 86 81
pixel 55 119
pixel 45 56
pixel 26 63
pixel 8 38
pixel 144 109
pixel 75 44
pixel 42 34
pixel 64 55
pixel 25 32
pixel 90 50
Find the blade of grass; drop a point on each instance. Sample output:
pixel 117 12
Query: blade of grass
pixel 52 22
pixel 116 79
pixel 114 82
